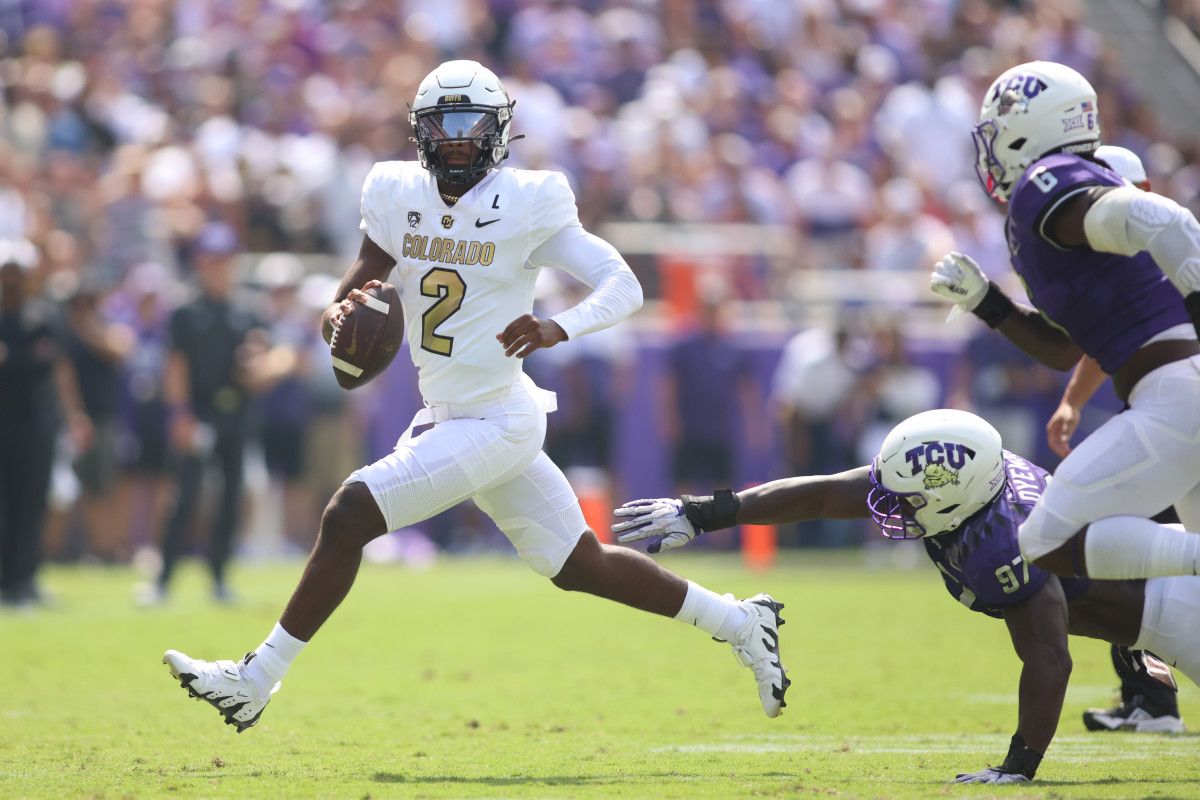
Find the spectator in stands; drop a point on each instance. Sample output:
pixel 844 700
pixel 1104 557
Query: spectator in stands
pixel 815 383
pixel 895 386
pixel 286 409
pixel 141 305
pixel 96 348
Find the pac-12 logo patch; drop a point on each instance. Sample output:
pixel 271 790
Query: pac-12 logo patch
pixel 414 219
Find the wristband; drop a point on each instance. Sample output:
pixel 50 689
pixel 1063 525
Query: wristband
pixel 714 512
pixel 1021 759
pixel 995 306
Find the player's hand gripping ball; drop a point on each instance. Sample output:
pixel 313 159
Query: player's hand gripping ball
pixel 367 331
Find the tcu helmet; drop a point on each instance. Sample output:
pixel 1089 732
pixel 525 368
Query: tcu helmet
pixel 1030 111
pixel 461 101
pixel 933 471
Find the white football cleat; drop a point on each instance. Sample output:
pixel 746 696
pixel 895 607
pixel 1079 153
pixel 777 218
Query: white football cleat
pixel 757 647
pixel 224 685
pixel 1134 716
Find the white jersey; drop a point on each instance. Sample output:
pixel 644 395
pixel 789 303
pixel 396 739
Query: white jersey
pixel 462 270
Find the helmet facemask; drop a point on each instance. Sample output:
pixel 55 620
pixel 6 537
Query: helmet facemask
pixel 894 512
pixel 988 136
pixel 484 128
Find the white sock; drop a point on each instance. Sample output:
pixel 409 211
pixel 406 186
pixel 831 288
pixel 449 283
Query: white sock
pixel 717 615
pixel 273 657
pixel 1124 548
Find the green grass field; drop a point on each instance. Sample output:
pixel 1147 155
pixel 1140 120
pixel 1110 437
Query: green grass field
pixel 478 679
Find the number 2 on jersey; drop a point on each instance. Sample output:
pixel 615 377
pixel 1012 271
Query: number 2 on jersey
pixel 448 286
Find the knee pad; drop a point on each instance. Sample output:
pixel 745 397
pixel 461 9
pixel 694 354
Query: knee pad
pixel 544 549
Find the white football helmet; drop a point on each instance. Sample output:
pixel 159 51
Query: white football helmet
pixel 933 471
pixel 1125 163
pixel 461 101
pixel 1030 111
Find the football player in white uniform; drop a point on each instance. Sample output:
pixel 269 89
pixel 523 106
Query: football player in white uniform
pixel 465 239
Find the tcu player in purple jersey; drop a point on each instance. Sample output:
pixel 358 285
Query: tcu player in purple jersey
pixel 1113 273
pixel 1149 700
pixel 943 476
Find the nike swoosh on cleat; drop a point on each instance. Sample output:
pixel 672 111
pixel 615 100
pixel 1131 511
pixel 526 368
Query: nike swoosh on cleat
pixel 481 224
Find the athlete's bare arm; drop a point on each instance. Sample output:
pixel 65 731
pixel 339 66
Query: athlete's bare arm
pixel 1030 331
pixel 1038 628
pixel 373 266
pixel 1085 381
pixel 840 496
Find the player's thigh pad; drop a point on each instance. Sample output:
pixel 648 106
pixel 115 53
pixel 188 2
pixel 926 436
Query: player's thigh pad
pixel 1169 627
pixel 1138 463
pixel 539 513
pixel 448 463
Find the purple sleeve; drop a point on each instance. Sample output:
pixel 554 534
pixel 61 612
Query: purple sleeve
pixel 1046 184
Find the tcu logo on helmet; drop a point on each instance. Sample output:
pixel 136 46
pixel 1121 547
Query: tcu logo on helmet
pixel 1028 85
pixel 951 454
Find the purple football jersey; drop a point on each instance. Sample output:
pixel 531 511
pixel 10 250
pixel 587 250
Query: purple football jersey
pixel 981 562
pixel 1108 304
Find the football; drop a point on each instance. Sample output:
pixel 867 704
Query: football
pixel 368 339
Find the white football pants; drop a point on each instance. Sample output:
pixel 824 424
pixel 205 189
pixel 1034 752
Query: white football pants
pixel 1169 628
pixel 1138 463
pixel 490 451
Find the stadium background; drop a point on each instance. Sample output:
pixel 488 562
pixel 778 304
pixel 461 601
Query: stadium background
pixel 779 175
pixel 792 167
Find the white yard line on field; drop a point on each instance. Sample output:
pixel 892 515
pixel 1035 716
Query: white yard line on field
pixel 1074 749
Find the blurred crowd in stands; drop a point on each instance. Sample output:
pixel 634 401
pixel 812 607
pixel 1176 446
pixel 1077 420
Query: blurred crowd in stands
pixel 142 142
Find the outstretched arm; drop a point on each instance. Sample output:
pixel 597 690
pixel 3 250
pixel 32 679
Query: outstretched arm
pixel 671 523
pixel 840 496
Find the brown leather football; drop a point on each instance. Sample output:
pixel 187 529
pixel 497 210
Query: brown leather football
pixel 368 339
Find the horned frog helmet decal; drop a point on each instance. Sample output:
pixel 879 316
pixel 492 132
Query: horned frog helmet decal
pixel 939 475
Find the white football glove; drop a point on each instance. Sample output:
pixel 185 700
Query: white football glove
pixel 960 280
pixel 991 775
pixel 662 521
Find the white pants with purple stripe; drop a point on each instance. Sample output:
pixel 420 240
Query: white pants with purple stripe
pixel 489 451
